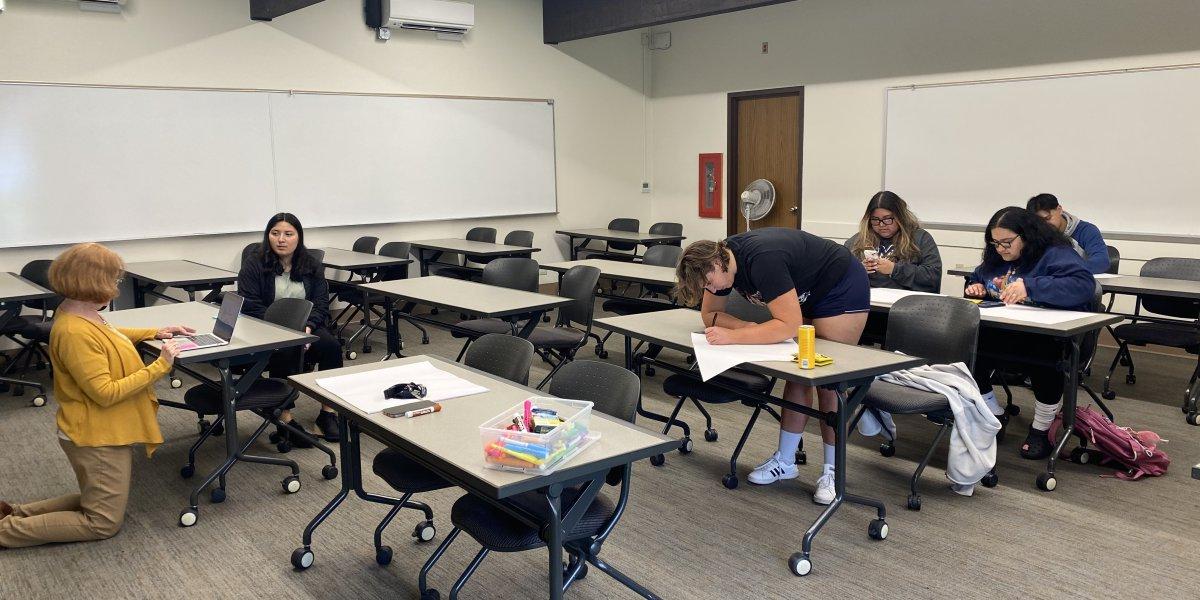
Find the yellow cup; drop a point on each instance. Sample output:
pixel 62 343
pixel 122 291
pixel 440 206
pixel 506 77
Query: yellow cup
pixel 806 350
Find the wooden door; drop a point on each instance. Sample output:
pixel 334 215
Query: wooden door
pixel 766 142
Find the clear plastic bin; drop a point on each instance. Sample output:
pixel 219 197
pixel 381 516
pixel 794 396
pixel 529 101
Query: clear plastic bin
pixel 537 453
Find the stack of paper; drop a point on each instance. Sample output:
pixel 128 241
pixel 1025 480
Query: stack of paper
pixel 714 360
pixel 1034 314
pixel 889 296
pixel 365 390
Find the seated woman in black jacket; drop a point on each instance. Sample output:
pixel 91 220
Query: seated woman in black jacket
pixel 283 268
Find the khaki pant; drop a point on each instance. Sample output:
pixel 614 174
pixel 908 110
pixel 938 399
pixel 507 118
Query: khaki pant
pixel 95 513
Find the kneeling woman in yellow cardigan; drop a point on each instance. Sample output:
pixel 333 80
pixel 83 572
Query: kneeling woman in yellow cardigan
pixel 106 404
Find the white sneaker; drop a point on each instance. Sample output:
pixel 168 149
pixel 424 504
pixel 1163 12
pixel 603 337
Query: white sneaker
pixel 773 470
pixel 825 491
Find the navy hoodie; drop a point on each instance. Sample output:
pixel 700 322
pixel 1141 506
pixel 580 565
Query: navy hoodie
pixel 1059 280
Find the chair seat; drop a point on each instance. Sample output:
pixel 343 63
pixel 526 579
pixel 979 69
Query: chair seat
pixel 901 400
pixel 1160 334
pixel 38 331
pixel 556 337
pixel 480 327
pixel 404 474
pixel 264 394
pixel 690 387
pixel 17 325
pixel 455 272
pixel 637 307
pixel 603 255
pixel 500 532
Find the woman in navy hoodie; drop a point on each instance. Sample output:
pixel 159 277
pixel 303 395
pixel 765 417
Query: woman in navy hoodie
pixel 1026 261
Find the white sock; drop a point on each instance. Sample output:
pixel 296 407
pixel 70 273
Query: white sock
pixel 1043 415
pixel 789 443
pixel 830 453
pixel 993 403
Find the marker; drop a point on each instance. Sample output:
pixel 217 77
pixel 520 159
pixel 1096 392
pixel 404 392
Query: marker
pixel 423 411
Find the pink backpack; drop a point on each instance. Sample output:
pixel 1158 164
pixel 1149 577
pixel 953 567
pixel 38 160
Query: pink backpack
pixel 1136 452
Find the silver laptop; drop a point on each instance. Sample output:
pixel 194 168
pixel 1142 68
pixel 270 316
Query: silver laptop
pixel 231 307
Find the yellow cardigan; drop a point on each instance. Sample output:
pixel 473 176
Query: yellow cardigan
pixel 104 391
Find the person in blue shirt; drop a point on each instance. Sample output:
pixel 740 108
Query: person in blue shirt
pixel 1026 261
pixel 1085 237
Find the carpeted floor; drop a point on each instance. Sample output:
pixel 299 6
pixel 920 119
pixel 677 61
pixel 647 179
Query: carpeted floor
pixel 684 535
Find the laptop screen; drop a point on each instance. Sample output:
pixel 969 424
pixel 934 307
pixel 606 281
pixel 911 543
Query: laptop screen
pixel 231 307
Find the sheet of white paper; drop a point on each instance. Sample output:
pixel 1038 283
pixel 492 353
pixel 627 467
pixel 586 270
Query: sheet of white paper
pixel 1033 314
pixel 714 360
pixel 1106 275
pixel 365 390
pixel 889 296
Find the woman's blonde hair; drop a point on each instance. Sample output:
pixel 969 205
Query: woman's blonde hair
pixel 698 260
pixel 905 245
pixel 87 272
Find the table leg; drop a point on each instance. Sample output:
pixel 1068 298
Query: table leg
pixel 1046 481
pixel 554 545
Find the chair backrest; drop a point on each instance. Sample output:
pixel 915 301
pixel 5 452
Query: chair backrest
pixel 745 310
pixel 513 273
pixel 250 248
pixel 578 284
pixel 291 313
pixel 317 254
pixel 940 329
pixel 394 250
pixel 505 356
pixel 1114 259
pixel 519 237
pixel 1172 268
pixel 665 228
pixel 38 271
pixel 624 225
pixel 479 234
pixel 365 244
pixel 662 255
pixel 613 390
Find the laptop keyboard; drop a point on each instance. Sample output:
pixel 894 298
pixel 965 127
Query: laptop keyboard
pixel 206 339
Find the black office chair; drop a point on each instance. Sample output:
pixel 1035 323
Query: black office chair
pixel 511 273
pixel 31 334
pixel 373 319
pixel 651 297
pixel 249 249
pixel 616 250
pixel 504 356
pixel 1182 334
pixel 656 229
pixel 615 392
pixel 557 345
pixel 942 330
pixel 463 267
pixel 268 397
pixel 365 244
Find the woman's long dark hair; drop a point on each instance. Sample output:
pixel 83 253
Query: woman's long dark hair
pixel 302 261
pixel 904 242
pixel 1037 236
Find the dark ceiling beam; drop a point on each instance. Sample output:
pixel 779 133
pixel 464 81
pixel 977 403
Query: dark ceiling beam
pixel 265 10
pixel 566 20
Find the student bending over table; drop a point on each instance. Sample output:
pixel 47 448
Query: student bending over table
pixel 1026 261
pixel 283 268
pixel 106 404
pixel 801 279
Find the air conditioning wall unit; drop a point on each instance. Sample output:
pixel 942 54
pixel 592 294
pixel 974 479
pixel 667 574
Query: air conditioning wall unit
pixel 448 18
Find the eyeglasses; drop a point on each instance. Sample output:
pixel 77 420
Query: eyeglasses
pixel 884 221
pixel 1006 244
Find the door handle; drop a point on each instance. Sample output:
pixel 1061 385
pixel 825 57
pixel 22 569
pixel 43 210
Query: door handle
pixel 793 209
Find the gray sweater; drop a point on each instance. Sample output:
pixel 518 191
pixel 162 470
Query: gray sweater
pixel 922 275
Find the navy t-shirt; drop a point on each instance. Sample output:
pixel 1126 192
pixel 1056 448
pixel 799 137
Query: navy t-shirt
pixel 773 260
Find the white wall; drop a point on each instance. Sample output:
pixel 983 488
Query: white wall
pixel 213 43
pixel 846 53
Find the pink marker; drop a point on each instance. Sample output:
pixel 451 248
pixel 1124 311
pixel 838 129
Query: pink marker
pixel 529 415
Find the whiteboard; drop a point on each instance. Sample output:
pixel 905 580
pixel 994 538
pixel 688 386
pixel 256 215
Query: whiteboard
pixel 96 163
pixel 87 163
pixel 1121 150
pixel 343 160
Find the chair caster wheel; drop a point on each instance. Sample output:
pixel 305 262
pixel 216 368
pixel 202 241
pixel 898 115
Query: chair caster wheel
pixel 291 484
pixel 284 447
pixel 1012 410
pixel 18 390
pixel 38 401
pixel 1131 379
pixel 176 383
pixel 1124 361
pixel 188 517
pixel 691 358
pixel 686 446
pixel 914 502
pixel 424 531
pixel 1193 419
pixel 218 429
pixel 431 594
pixel 351 355
pixel 1108 394
pixel 187 471
pixel 329 471
pixel 367 349
pixel 710 435
pixel 887 449
pixel 990 480
pixel 275 437
pixel 800 564
pixel 1046 482
pixel 1081 456
pixel 878 529
pixel 302 558
pixel 217 495
pixel 730 481
pixel 658 460
pixel 582 573
pixel 383 555
pixel 649 371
